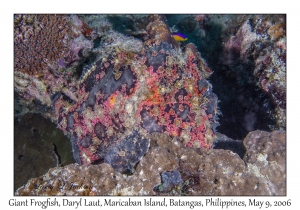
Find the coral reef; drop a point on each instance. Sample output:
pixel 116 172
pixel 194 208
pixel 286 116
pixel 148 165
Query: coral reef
pixel 136 88
pixel 171 169
pixel 43 46
pixel 39 41
pixel 262 41
pixel 126 91
pixel 139 111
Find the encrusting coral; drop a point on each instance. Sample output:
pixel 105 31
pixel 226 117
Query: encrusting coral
pixel 43 46
pixel 40 41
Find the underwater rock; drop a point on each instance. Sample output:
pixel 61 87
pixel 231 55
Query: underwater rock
pixel 38 146
pixel 261 42
pixel 266 158
pixel 73 179
pixel 170 180
pixel 223 142
pixel 192 171
pixel 158 30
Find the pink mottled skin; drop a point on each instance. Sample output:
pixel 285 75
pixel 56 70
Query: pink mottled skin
pixel 197 133
pixel 168 111
pixel 168 96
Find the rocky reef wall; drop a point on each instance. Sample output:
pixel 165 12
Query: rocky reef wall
pixel 139 110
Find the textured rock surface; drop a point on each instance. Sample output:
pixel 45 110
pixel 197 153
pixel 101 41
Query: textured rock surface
pixel 261 40
pixel 73 179
pixel 266 158
pixel 170 181
pixel 38 146
pixel 199 171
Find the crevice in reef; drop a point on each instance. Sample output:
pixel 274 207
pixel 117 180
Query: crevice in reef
pixel 244 106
